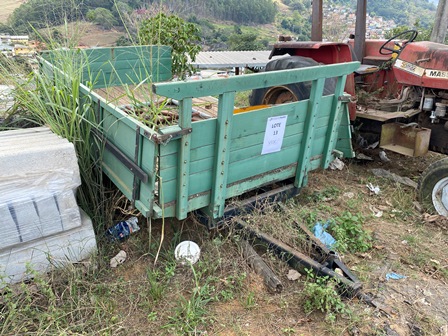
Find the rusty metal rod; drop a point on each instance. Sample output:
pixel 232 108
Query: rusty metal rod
pixel 299 260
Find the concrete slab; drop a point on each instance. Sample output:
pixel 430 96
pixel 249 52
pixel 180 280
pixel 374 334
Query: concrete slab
pixel 68 209
pixel 8 226
pixel 44 254
pixel 26 218
pixel 49 215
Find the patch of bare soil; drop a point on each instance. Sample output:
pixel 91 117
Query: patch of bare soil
pixel 88 34
pixel 95 36
pixel 406 242
pixel 8 7
pixel 236 302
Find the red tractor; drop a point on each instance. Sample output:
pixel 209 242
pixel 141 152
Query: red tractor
pixel 409 83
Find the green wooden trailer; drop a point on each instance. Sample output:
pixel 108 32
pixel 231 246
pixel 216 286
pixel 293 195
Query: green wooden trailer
pixel 171 170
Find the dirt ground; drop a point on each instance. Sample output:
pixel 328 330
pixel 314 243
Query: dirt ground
pixel 8 7
pixel 403 243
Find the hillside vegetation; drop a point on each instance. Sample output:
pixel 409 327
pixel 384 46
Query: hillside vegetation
pixel 40 13
pixel 235 25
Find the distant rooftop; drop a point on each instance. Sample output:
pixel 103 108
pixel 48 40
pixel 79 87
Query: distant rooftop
pixel 231 59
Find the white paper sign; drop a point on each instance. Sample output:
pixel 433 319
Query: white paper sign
pixel 273 136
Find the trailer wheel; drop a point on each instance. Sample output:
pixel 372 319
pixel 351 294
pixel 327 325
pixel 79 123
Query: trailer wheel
pixel 291 92
pixel 433 187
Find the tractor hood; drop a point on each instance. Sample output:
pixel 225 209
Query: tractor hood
pixel 423 64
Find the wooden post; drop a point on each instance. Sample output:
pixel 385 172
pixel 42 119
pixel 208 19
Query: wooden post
pixel 441 23
pixel 222 153
pixel 316 21
pixel 360 29
pixel 308 132
pixel 183 174
pixel 271 281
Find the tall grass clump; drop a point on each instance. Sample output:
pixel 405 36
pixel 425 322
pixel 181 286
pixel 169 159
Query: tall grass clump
pixel 51 97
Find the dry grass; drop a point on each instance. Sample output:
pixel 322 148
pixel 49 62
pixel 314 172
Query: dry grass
pixel 8 7
pixel 221 295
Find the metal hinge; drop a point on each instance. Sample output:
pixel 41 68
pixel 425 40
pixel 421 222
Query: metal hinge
pixel 163 139
pixel 345 98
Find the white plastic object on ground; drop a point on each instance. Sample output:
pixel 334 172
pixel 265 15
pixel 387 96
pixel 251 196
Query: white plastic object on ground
pixel 383 156
pixel 374 189
pixel 336 164
pixel 118 259
pixel 187 251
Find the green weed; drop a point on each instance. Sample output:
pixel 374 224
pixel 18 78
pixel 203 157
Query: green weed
pixel 249 301
pixel 320 293
pixel 289 331
pixel 54 99
pixel 324 195
pixel 191 313
pixel 70 301
pixel 349 233
pixel 156 287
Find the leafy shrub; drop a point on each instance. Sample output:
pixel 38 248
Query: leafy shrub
pixel 183 37
pixel 321 294
pixel 349 233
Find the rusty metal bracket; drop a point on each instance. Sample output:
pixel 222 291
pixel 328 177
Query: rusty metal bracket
pixel 128 163
pixel 345 98
pixel 163 139
pixel 327 263
pixel 136 184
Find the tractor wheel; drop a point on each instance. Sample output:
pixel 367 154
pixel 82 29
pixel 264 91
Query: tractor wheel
pixel 433 188
pixel 291 92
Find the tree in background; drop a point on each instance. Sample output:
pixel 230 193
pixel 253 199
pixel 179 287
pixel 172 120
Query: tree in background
pixel 246 41
pixel 423 33
pixel 35 14
pixel 102 17
pixel 182 36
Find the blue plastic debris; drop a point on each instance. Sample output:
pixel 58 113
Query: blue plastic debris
pixel 322 235
pixel 394 276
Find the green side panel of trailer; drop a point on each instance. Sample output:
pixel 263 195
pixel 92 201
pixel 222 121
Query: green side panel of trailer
pixel 206 162
pixel 118 66
pixel 226 153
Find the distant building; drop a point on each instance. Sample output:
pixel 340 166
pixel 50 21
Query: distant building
pixel 14 39
pixel 23 50
pixel 16 45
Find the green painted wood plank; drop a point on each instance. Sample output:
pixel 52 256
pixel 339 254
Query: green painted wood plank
pixel 247 131
pixel 334 122
pixel 184 159
pixel 222 152
pixel 241 186
pixel 131 77
pixel 121 65
pixel 117 53
pixel 116 65
pixel 143 208
pixel 198 183
pixel 305 148
pixel 194 203
pixel 197 154
pixel 198 166
pixel 201 158
pixel 254 81
pixel 201 181
pixel 199 201
pixel 344 142
pixel 203 134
